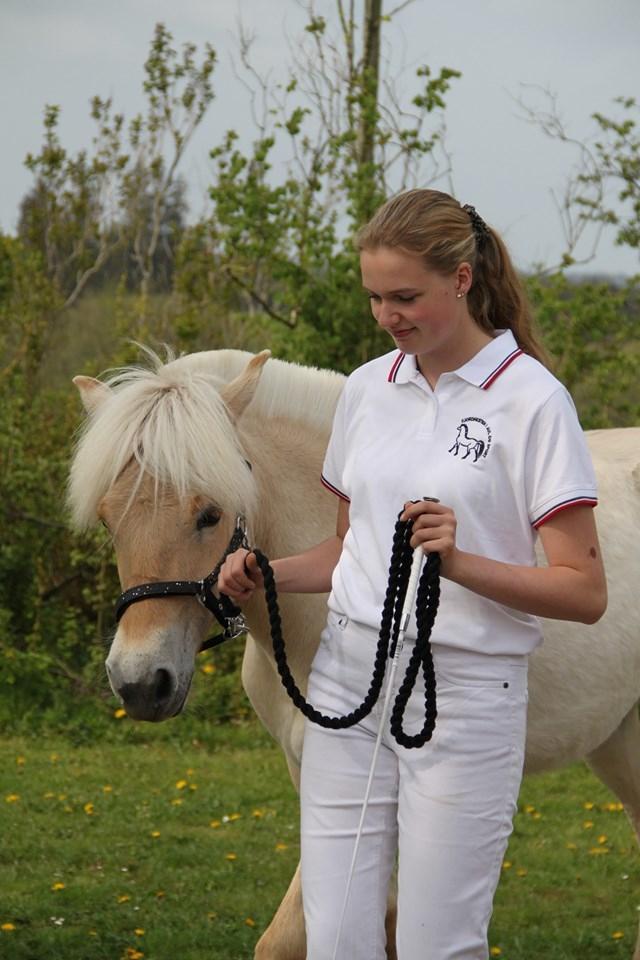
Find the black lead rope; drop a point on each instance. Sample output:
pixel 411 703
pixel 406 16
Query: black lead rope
pixel 426 609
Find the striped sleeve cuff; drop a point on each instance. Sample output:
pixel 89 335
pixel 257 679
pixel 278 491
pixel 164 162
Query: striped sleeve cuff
pixel 333 489
pixel 583 501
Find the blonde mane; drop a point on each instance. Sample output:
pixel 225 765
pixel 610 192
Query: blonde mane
pixel 169 418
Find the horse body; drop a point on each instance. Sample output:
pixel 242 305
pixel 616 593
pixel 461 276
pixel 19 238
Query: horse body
pixel 164 461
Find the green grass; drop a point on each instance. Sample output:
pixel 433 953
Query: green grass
pixel 558 899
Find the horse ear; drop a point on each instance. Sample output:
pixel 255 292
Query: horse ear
pixel 238 394
pixel 92 392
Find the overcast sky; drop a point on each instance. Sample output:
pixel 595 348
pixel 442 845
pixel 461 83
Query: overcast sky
pixel 585 51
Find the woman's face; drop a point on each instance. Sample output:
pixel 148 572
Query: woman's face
pixel 417 306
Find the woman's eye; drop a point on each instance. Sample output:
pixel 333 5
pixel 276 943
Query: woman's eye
pixel 208 518
pixel 409 299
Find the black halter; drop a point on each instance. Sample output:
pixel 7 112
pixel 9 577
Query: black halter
pixel 228 615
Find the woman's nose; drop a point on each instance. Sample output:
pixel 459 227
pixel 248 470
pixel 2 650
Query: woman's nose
pixel 386 315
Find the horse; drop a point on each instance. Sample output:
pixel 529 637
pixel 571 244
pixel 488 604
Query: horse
pixel 168 457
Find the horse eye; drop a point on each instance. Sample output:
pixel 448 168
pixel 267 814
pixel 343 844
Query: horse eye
pixel 208 518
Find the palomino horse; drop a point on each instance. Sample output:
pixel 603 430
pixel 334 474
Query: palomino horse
pixel 167 459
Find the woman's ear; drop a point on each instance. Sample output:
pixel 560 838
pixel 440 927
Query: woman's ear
pixel 464 278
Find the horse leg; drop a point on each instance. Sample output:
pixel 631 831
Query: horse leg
pixel 285 939
pixel 617 763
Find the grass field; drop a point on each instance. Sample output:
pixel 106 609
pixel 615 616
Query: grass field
pixel 170 851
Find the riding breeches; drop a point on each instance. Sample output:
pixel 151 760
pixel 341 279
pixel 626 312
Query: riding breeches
pixel 445 810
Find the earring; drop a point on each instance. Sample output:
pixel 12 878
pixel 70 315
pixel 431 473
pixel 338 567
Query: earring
pixel 459 295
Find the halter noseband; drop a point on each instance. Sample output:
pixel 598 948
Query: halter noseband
pixel 228 615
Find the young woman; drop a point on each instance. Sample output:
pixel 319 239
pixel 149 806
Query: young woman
pixel 463 410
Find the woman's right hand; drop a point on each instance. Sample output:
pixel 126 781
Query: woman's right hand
pixel 239 576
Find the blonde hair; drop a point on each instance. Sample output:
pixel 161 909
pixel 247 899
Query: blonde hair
pixel 435 226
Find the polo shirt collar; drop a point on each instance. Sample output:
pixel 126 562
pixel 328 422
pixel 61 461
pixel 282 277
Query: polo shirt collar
pixel 481 371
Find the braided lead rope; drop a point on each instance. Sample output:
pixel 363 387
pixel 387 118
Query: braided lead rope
pixel 390 629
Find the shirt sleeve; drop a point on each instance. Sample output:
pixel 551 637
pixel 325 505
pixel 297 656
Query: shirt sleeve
pixel 558 472
pixel 333 468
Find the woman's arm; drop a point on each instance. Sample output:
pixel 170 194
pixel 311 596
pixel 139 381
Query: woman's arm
pixel 571 587
pixel 308 572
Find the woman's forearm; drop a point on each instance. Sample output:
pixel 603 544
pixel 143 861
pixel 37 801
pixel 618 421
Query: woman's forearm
pixel 308 572
pixel 558 592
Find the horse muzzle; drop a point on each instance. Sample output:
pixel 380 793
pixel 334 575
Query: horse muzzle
pixel 154 694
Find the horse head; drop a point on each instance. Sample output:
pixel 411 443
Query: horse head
pixel 161 464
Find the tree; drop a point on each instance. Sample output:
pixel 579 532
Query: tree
pixel 278 240
pixel 125 191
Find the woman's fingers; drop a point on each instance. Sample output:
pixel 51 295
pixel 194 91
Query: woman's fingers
pixel 433 526
pixel 239 575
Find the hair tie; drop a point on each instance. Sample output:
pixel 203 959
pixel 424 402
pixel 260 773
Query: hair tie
pixel 480 229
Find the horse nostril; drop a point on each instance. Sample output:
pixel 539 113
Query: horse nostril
pixel 163 685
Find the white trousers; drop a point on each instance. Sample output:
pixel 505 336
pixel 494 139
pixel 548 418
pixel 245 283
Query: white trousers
pixel 444 810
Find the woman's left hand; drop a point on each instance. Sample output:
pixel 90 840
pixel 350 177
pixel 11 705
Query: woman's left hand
pixel 434 529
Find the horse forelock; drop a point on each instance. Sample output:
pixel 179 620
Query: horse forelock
pixel 173 423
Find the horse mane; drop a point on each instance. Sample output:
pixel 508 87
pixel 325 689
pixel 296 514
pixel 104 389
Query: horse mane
pixel 169 419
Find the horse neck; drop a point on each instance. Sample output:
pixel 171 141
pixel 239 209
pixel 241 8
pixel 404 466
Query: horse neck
pixel 286 457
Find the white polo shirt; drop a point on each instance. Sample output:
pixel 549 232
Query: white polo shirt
pixel 498 440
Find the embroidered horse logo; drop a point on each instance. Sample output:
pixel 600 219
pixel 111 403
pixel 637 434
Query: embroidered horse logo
pixel 470 444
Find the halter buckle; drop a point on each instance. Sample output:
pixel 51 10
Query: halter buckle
pixel 235 627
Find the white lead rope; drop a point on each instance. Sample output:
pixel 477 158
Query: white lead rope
pixel 409 600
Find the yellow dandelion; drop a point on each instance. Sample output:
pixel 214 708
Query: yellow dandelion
pixel 155 834
pixel 528 809
pixel 495 952
pixel 57 886
pixel 139 931
pixel 588 824
pixel 536 816
pixel 12 797
pixel 124 898
pixel 190 771
pixel 181 784
pixel 107 788
pixel 280 846
pixel 235 816
pixel 132 953
pixel 257 814
pixel 588 805
pixel 597 851
pixel 177 802
pixel 193 786
pixel 119 713
pixel 54 757
pixel 602 838
pixel 215 824
pixel 521 872
pixel 617 935
pixel 7 927
pixel 250 922
pixel 160 894
pixel 49 795
pixel 506 865
pixel 571 846
pixel 231 856
pixel 89 809
pixel 208 668
pixel 21 761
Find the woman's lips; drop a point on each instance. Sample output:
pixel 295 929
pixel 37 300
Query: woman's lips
pixel 401 334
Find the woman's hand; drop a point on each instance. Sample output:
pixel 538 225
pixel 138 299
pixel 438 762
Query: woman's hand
pixel 239 576
pixel 434 529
